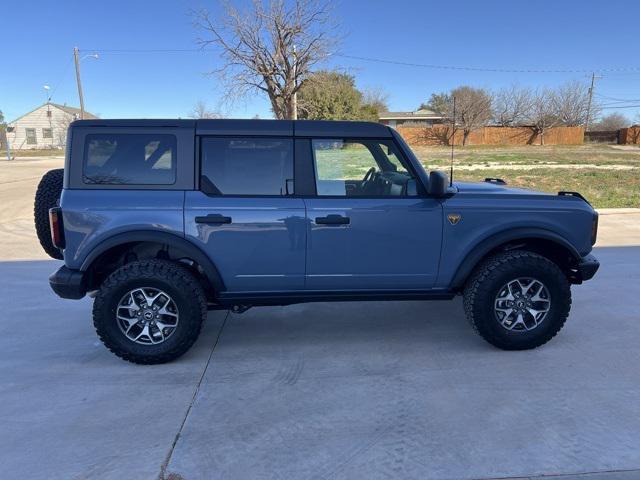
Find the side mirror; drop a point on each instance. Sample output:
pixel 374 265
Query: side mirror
pixel 438 184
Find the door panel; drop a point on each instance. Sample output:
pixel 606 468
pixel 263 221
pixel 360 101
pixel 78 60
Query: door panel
pixel 388 243
pixel 257 244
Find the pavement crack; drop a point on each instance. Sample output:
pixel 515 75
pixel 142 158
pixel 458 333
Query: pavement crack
pixel 163 468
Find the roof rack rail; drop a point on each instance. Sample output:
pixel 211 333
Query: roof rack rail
pixel 497 181
pixel 572 194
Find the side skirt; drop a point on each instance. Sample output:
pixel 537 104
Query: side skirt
pixel 245 300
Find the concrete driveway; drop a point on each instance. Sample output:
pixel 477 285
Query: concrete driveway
pixel 341 391
pixel 336 391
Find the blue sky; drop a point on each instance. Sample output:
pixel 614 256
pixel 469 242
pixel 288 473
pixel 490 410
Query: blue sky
pixel 39 37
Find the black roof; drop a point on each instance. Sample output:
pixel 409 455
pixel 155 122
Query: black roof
pixel 299 128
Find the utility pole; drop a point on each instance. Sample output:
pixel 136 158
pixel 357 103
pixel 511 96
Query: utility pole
pixel 593 81
pixel 8 145
pixel 77 61
pixel 294 114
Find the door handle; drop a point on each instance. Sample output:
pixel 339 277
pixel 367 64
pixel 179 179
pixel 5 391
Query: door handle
pixel 333 220
pixel 213 219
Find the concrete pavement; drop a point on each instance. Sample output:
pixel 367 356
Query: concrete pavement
pixel 377 390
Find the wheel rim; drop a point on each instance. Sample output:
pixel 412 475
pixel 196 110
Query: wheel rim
pixel 147 316
pixel 522 304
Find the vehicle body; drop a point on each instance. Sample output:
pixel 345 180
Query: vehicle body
pixel 267 212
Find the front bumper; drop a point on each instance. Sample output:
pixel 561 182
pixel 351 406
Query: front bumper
pixel 67 283
pixel 587 268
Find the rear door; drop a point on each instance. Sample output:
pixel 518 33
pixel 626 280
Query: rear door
pixel 368 227
pixel 245 215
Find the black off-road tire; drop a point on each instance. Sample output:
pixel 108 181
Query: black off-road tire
pixel 47 196
pixel 171 277
pixel 483 287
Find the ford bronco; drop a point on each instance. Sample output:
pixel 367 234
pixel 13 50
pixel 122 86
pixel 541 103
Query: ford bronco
pixel 162 220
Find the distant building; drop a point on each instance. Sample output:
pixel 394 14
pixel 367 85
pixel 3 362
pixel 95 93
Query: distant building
pixel 44 127
pixel 419 118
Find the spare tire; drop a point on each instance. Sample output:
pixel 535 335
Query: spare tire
pixel 48 196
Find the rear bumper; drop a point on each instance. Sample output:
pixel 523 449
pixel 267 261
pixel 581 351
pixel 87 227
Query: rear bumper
pixel 587 267
pixel 67 283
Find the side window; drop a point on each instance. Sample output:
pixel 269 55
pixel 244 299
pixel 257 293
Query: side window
pixel 31 136
pixel 129 159
pixel 248 166
pixel 353 168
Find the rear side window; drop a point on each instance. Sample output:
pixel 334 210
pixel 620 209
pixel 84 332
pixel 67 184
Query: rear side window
pixel 248 166
pixel 129 159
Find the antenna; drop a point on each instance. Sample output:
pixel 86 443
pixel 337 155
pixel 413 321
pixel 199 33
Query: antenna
pixel 453 140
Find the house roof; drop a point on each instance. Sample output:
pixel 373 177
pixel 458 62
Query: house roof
pixel 70 110
pixel 422 114
pixel 75 111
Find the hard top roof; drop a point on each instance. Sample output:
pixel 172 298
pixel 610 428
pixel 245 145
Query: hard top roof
pixel 298 128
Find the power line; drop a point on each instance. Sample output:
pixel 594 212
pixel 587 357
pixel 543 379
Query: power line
pixel 617 100
pixel 390 62
pixel 483 69
pixel 620 106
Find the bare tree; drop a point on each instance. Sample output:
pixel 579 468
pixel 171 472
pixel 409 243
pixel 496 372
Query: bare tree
pixel 269 48
pixel 571 102
pixel 473 109
pixel 611 122
pixel 438 103
pixel 201 110
pixel 511 105
pixel 543 114
pixel 60 129
pixel 376 99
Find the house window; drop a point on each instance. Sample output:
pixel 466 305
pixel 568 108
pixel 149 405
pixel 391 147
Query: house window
pixel 47 133
pixel 31 136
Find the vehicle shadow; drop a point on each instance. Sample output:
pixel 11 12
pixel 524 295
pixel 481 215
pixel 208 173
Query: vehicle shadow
pixel 430 324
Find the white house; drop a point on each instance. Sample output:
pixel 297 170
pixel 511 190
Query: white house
pixel 419 118
pixel 44 127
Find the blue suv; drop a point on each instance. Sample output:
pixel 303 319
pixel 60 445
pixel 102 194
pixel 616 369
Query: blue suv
pixel 162 220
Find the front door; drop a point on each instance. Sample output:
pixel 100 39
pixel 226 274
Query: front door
pixel 245 217
pixel 368 228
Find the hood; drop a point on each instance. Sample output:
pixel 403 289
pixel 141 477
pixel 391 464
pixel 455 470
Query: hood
pixel 493 188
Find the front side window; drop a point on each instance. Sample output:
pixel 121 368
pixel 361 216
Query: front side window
pixel 31 136
pixel 353 168
pixel 47 133
pixel 130 159
pixel 248 166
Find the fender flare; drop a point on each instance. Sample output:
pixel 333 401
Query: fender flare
pixel 481 249
pixel 192 250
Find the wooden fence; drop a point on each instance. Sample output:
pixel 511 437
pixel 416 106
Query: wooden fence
pixel 607 136
pixel 441 135
pixel 630 136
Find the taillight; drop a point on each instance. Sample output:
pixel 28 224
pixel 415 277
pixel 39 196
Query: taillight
pixel 57 229
pixel 594 229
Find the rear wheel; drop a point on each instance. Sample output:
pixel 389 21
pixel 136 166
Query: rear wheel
pixel 47 196
pixel 517 300
pixel 150 311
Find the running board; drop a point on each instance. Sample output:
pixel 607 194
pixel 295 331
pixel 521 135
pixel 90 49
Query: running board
pixel 227 300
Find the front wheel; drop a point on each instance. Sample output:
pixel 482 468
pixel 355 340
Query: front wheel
pixel 517 300
pixel 149 311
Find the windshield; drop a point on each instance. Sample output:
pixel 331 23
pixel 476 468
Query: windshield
pixel 420 170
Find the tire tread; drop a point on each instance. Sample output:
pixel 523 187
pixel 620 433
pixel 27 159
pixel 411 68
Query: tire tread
pixel 171 272
pixel 47 196
pixel 472 295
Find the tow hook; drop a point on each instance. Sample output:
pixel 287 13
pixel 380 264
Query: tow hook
pixel 240 308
